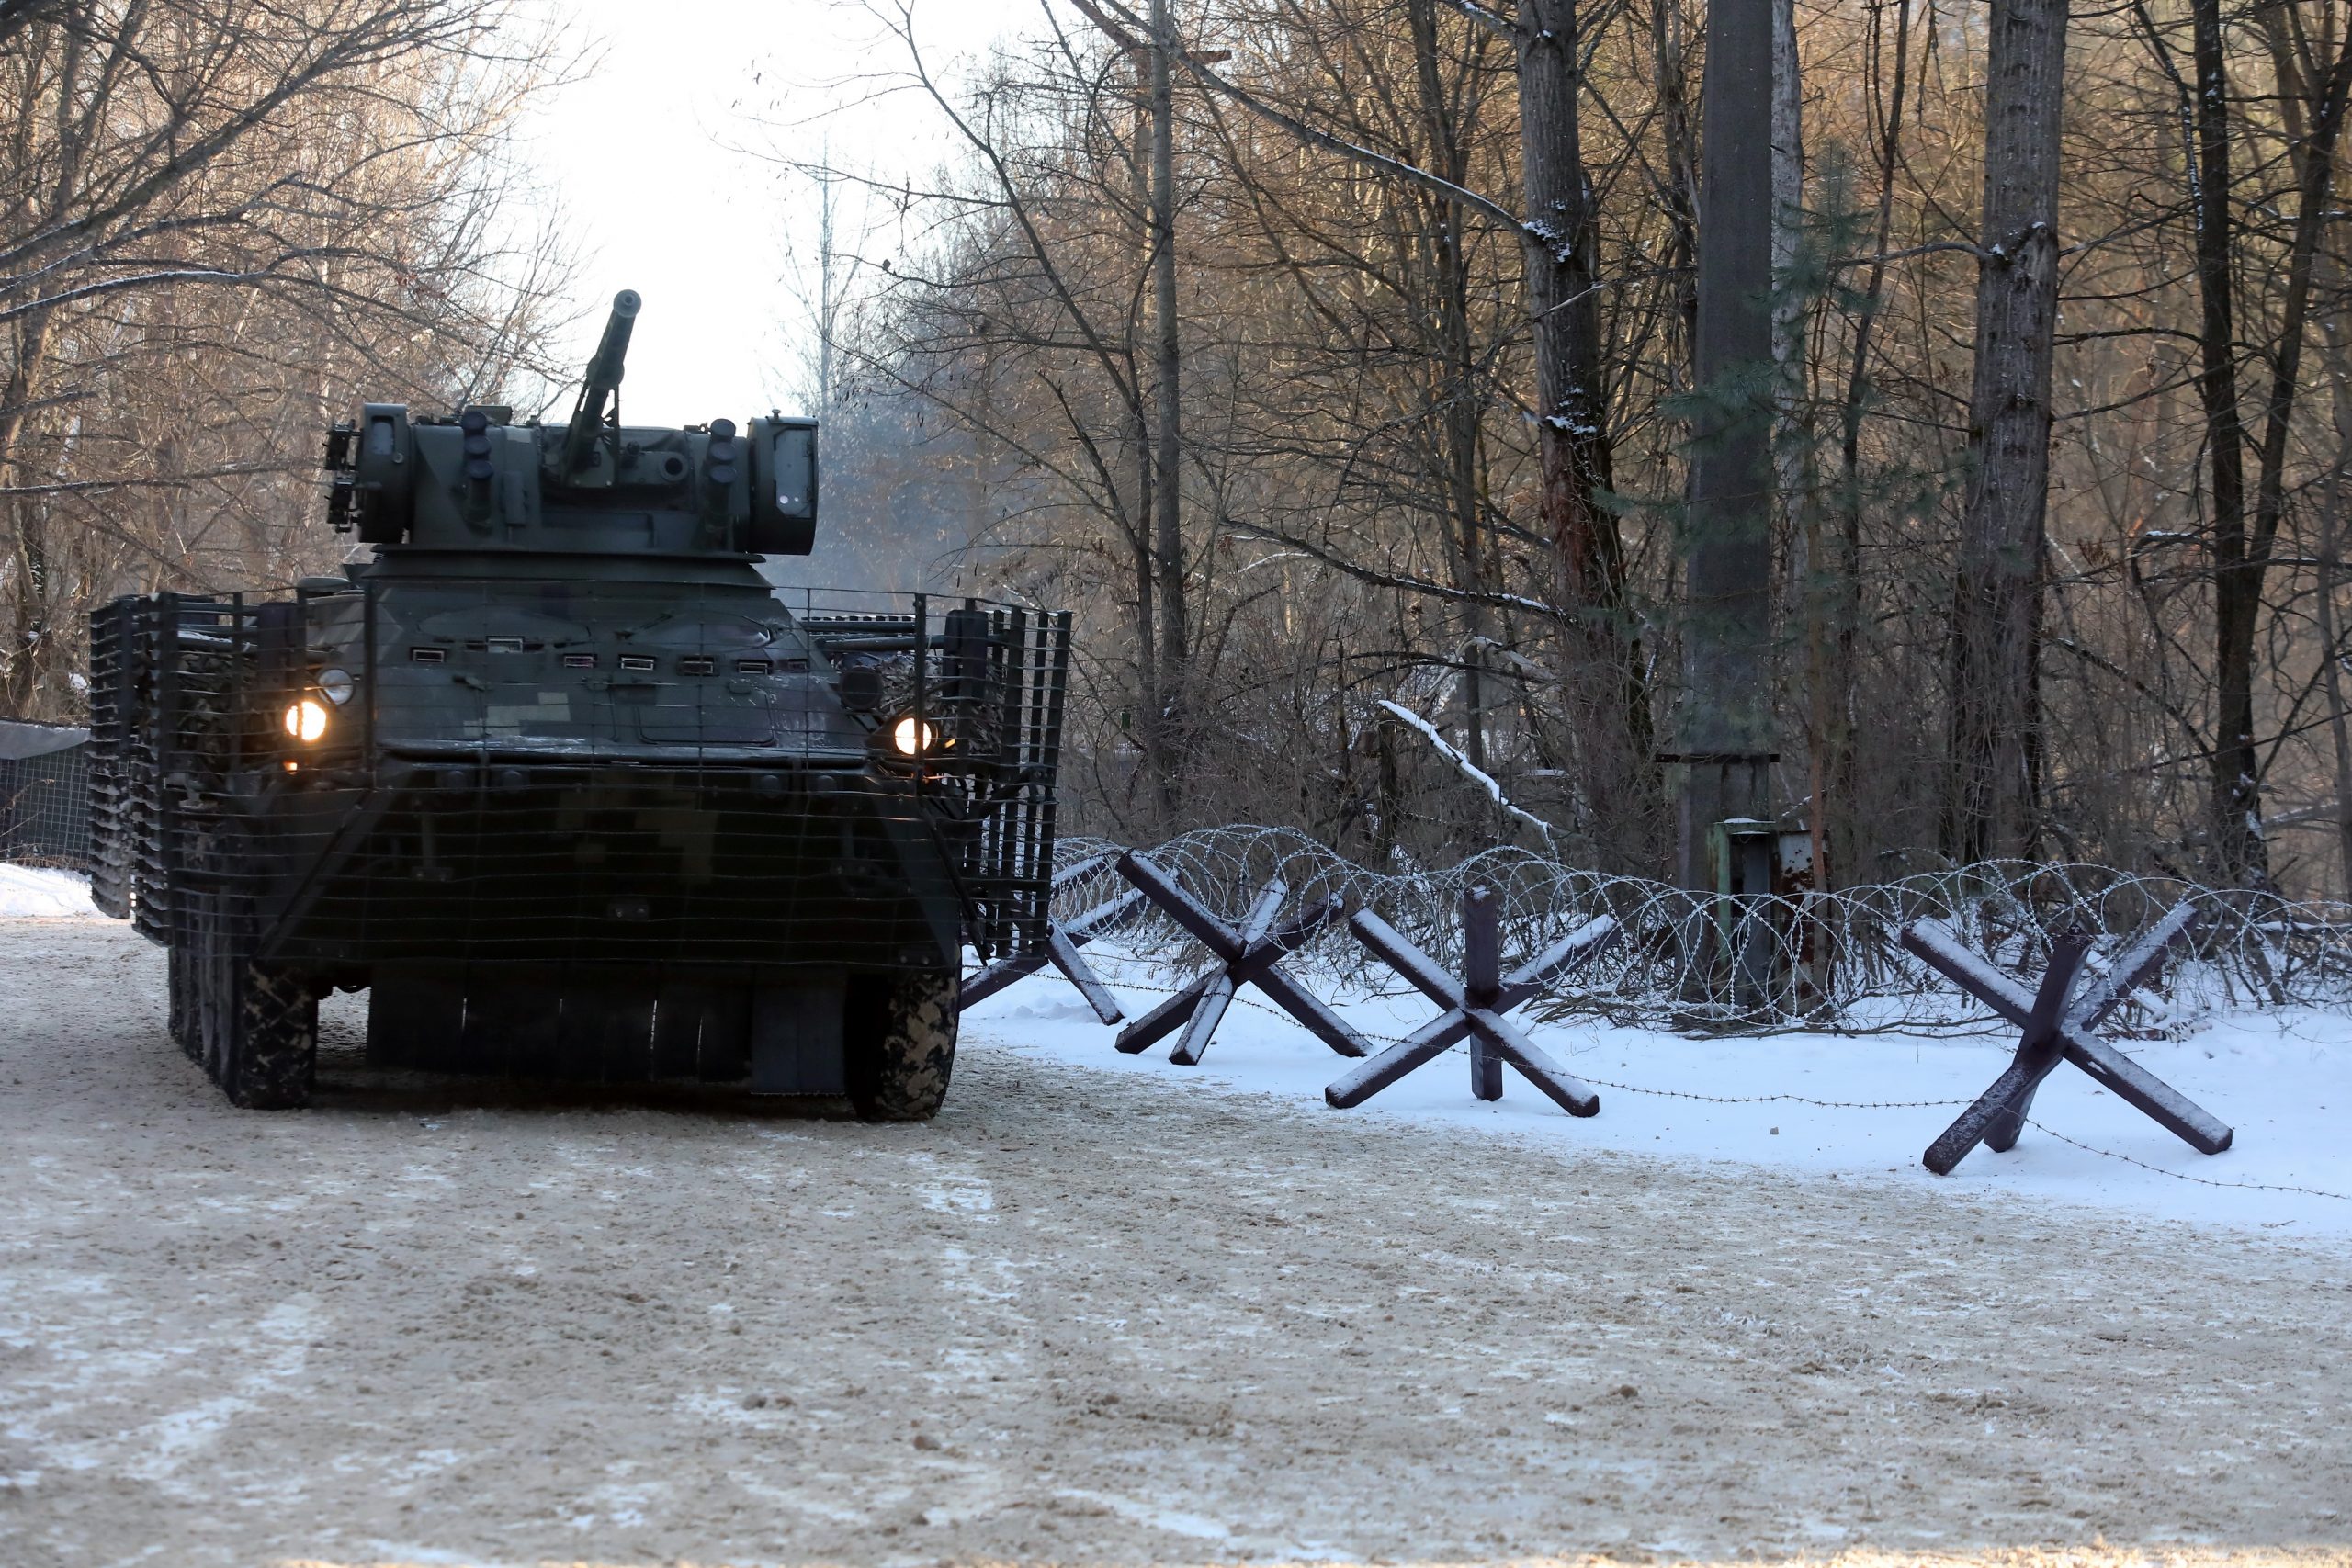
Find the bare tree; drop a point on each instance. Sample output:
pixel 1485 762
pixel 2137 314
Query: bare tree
pixel 1996 619
pixel 216 221
pixel 1610 684
pixel 1374 347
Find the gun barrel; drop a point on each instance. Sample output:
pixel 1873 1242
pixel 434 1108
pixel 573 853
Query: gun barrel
pixel 602 379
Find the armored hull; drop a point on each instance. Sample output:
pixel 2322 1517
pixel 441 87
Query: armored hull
pixel 562 781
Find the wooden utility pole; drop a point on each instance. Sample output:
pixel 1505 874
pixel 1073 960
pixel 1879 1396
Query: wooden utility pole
pixel 1722 736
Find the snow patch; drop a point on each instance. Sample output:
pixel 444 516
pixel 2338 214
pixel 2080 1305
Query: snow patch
pixel 41 893
pixel 1826 1106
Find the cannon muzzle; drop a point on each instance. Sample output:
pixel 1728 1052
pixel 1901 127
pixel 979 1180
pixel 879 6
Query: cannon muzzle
pixel 602 382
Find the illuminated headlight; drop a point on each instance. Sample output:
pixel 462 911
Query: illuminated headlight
pixel 336 685
pixel 306 721
pixel 911 736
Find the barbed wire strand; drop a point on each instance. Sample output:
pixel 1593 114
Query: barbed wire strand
pixel 2183 1175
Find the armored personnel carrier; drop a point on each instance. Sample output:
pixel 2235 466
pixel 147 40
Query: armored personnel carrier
pixel 560 778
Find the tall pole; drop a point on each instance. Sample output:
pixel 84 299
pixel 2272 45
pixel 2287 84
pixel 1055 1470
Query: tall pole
pixel 1724 729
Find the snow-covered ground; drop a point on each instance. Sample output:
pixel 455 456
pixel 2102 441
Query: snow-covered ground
pixel 1115 1313
pixel 38 893
pixel 2282 1080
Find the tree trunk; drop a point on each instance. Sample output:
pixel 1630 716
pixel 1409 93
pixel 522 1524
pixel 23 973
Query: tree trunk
pixel 1175 621
pixel 2217 388
pixel 1151 730
pixel 1788 209
pixel 1453 389
pixel 1994 753
pixel 2331 636
pixel 2314 91
pixel 1610 692
pixel 1668 29
pixel 1851 845
pixel 29 637
pixel 1792 440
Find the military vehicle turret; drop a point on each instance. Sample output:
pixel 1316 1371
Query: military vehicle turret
pixel 566 783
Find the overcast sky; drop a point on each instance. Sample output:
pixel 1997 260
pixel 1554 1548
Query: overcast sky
pixel 638 155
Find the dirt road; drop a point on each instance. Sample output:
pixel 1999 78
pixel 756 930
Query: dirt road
pixel 1075 1318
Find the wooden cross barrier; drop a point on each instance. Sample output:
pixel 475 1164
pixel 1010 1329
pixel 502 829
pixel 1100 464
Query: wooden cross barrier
pixel 2056 1026
pixel 1473 1007
pixel 1060 950
pixel 1248 954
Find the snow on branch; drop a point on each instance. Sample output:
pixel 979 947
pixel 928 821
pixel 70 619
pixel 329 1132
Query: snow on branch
pixel 1470 771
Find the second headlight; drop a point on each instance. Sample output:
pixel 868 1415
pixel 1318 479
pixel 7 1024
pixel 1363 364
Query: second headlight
pixel 911 736
pixel 306 721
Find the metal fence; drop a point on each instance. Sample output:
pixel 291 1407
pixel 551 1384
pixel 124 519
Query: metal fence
pixel 44 795
pixel 1700 960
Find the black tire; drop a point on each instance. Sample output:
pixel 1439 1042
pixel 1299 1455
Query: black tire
pixel 208 1009
pixel 899 1033
pixel 274 1049
pixel 254 1028
pixel 187 1012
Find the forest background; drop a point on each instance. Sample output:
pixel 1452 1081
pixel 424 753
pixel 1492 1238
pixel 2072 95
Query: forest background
pixel 1338 362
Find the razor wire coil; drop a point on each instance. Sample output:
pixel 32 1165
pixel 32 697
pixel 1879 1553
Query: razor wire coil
pixel 1755 964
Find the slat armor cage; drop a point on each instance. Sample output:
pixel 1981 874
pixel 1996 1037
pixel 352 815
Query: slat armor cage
pixel 559 772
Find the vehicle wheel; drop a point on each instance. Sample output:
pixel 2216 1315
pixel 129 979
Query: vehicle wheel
pixel 273 1047
pixel 207 1013
pixel 186 1019
pixel 900 1035
pixel 252 1027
